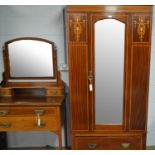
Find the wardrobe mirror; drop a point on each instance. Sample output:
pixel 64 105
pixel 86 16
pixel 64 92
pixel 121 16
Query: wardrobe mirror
pixel 109 71
pixel 30 58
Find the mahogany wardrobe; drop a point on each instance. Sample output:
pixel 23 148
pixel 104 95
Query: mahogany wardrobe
pixel 109 65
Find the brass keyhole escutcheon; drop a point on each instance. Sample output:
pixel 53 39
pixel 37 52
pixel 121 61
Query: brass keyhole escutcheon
pixel 92 146
pixel 125 145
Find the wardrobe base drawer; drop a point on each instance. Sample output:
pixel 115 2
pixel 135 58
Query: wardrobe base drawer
pixel 109 143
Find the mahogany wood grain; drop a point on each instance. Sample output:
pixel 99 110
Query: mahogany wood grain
pixel 109 143
pixel 78 77
pixel 110 8
pixel 138 21
pixel 108 127
pixel 109 140
pixel 139 86
pixel 31 101
pixel 28 123
pixel 32 91
pixel 108 133
pixel 28 111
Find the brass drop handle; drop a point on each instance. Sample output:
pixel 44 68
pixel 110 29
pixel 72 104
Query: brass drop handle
pixel 4 112
pixel 39 112
pixel 125 145
pixel 40 123
pixel 54 92
pixel 92 146
pixel 90 78
pixel 5 124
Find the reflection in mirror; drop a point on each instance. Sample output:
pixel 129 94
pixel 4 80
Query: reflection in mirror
pixel 30 58
pixel 109 69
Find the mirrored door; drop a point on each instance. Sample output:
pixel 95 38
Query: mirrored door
pixel 108 50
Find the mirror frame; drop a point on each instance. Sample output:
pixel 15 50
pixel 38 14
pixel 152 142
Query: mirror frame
pixel 7 60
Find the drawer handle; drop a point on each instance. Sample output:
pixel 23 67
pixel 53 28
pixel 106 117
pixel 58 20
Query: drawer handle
pixel 5 124
pixel 40 123
pixel 125 145
pixel 2 92
pixel 54 92
pixel 39 112
pixel 92 146
pixel 4 112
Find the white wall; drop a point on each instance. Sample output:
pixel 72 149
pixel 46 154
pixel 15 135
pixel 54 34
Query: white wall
pixel 47 22
pixel 32 21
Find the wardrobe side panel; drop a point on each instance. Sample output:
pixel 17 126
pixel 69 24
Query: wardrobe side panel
pixel 78 70
pixel 140 68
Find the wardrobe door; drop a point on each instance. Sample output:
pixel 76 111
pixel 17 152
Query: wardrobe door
pixel 78 70
pixel 108 50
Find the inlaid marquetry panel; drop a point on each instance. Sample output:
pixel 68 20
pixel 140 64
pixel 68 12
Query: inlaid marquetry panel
pixel 78 62
pixel 77 27
pixel 141 27
pixel 140 58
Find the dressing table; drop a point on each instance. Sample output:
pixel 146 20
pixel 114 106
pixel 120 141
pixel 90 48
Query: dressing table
pixel 31 93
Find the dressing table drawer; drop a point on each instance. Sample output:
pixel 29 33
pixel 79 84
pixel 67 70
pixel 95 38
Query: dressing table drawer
pixel 28 123
pixel 108 143
pixel 26 111
pixel 29 118
pixel 55 92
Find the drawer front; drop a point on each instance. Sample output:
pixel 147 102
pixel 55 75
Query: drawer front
pixel 29 118
pixel 108 143
pixel 55 92
pixel 28 123
pixel 25 111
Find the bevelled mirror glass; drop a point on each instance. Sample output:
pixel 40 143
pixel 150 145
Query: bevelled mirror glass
pixel 30 58
pixel 109 71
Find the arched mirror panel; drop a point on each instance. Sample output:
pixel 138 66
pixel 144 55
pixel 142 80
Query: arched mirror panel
pixel 109 39
pixel 30 58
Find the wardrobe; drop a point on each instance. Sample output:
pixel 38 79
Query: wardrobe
pixel 109 64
